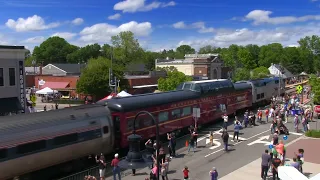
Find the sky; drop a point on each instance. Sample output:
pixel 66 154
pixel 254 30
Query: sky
pixel 159 24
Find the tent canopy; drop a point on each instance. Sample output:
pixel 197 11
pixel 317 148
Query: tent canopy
pixel 123 94
pixel 46 90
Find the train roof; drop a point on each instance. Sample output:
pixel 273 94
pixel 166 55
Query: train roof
pixel 137 102
pixel 241 86
pixel 208 87
pixel 25 121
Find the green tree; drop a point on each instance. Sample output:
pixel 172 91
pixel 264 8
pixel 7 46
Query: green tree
pixel 173 79
pixel 83 54
pixel 94 79
pixel 149 60
pixel 167 69
pixel 206 49
pixel 292 60
pixel 314 82
pixel 310 53
pixel 271 53
pixel 230 56
pixel 53 50
pixel 241 74
pixel 260 72
pixel 254 50
pixel 246 58
pixel 183 50
pixel 126 49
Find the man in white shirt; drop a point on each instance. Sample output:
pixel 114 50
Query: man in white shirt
pixel 225 121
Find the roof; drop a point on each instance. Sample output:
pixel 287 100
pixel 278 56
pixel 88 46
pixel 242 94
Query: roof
pixel 55 85
pixel 211 80
pixel 241 86
pixel 11 47
pixel 139 102
pixel 70 68
pixel 136 67
pixel 286 73
pixel 31 70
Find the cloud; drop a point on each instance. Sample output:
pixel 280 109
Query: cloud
pixel 197 25
pixel 263 17
pixel 102 32
pixel 288 36
pixel 33 23
pixel 65 35
pixel 115 16
pixel 77 21
pixel 132 6
pixel 34 40
pixel 314 0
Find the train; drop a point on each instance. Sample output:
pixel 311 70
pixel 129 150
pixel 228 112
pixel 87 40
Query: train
pixel 30 142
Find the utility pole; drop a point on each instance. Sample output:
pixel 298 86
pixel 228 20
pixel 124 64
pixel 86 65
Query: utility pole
pixel 112 80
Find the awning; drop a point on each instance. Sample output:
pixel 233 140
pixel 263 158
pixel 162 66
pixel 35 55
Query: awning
pixel 10 105
pixel 55 85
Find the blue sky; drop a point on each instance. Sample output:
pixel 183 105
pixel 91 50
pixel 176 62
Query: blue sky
pixel 160 24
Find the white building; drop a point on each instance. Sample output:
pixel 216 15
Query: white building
pixel 277 70
pixel 12 80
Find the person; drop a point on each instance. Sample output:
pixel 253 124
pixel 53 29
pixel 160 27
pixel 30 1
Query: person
pixel 259 115
pixel 116 168
pixel 275 163
pixel 275 139
pixel 296 122
pixel 162 153
pixel 213 173
pixel 267 114
pixel 172 144
pixel 300 158
pixel 185 173
pixel 225 121
pixel 295 164
pixel 211 138
pixel 102 165
pixel 191 143
pixel 225 138
pixel 237 128
pixel 154 172
pixel 265 161
pixel 164 170
pixel 280 150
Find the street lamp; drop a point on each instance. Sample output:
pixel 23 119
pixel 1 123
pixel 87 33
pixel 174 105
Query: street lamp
pixel 135 159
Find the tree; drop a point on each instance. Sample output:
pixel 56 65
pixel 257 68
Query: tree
pixel 246 58
pixel 94 79
pixel 260 72
pixel 310 51
pixel 183 50
pixel 314 82
pixel 53 50
pixel 149 60
pixel 83 54
pixel 167 69
pixel 292 60
pixel 271 53
pixel 241 74
pixel 206 49
pixel 173 79
pixel 126 49
pixel 254 50
pixel 230 56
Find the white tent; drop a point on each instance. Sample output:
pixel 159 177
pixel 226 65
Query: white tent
pixel 290 173
pixel 46 90
pixel 123 94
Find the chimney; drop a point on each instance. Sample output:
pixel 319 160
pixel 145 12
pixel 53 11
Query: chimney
pixel 40 69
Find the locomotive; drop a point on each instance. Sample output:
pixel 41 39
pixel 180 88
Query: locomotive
pixel 34 141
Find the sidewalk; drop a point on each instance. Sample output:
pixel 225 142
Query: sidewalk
pixel 311 167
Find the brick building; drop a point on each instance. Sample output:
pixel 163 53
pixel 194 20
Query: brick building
pixel 206 66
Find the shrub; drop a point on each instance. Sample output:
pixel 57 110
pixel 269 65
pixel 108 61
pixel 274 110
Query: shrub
pixel 68 101
pixel 313 133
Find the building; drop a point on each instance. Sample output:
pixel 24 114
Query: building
pixel 207 66
pixel 12 80
pixel 278 70
pixel 61 77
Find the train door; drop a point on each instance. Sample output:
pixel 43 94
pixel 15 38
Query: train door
pixel 117 130
pixel 107 134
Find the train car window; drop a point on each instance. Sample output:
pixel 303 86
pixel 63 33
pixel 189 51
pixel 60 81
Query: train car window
pixel 176 113
pixel 130 124
pixel 105 129
pixel 186 111
pixel 65 139
pixel 187 86
pixel 163 116
pixel 258 96
pixel 262 95
pixel 3 153
pixel 31 147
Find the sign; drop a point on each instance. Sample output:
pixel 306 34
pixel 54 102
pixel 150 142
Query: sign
pixel 22 87
pixel 41 82
pixel 270 146
pixel 285 137
pixel 216 143
pixel 118 89
pixel 196 112
pixel 260 141
pixel 299 89
pixel 33 98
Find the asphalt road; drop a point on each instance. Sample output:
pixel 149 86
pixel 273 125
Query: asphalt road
pixel 206 156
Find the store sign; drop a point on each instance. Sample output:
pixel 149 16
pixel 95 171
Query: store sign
pixel 22 90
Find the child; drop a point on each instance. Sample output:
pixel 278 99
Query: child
pixel 211 138
pixel 300 158
pixel 185 173
pixel 213 174
pixel 164 171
